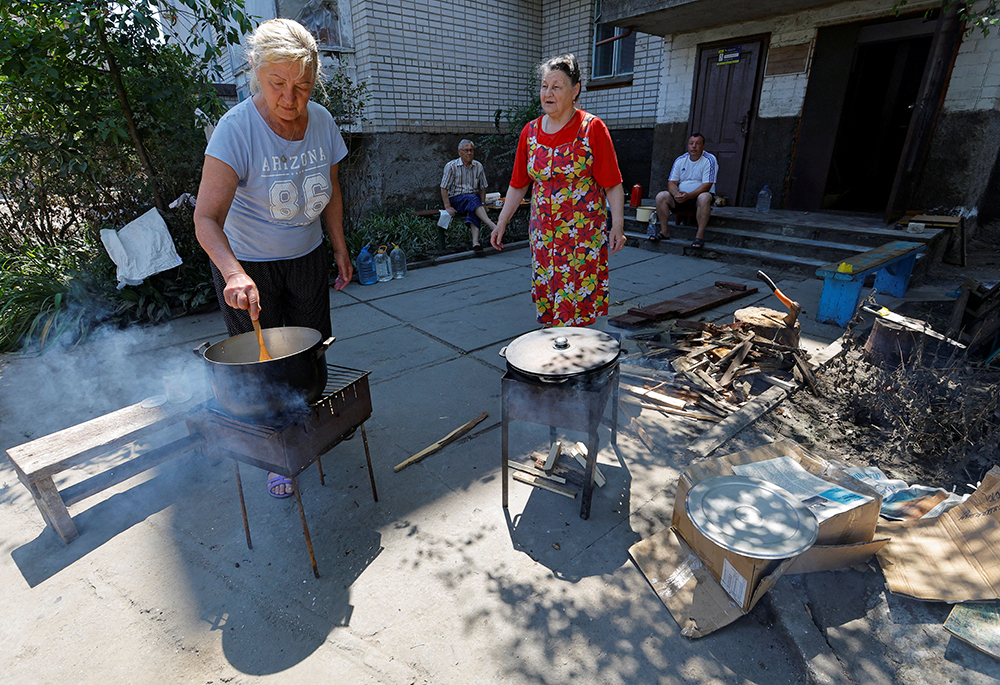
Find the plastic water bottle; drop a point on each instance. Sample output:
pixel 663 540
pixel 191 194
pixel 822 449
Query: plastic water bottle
pixel 652 229
pixel 397 260
pixel 382 269
pixel 366 267
pixel 764 200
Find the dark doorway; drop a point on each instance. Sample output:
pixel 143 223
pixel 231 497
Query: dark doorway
pixel 883 86
pixel 724 103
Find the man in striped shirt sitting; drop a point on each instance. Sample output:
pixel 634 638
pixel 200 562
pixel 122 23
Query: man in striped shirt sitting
pixel 463 190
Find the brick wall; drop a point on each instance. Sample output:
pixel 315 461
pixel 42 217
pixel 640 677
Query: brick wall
pixel 440 66
pixel 975 80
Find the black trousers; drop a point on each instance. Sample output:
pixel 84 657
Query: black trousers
pixel 293 292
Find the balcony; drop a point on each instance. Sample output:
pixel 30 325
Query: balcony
pixel 667 17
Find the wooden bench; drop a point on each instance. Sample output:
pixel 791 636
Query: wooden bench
pixel 36 462
pixel 892 265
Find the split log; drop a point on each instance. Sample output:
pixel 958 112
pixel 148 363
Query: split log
pixel 768 324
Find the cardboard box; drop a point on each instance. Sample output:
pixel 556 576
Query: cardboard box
pixel 846 535
pixel 954 557
pixel 742 577
pixel 688 574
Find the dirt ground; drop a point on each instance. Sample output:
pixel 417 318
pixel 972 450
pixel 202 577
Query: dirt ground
pixel 935 421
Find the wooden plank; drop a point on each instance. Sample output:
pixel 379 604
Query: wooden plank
pixel 807 374
pixel 690 303
pixel 718 434
pixel 543 484
pixel 538 473
pixel 58 451
pixel 777 382
pixel 451 437
pixel 550 461
pixel 629 321
pixel 673 412
pixel 870 261
pixel 654 396
pixel 579 452
pixel 131 468
pixel 711 382
pixel 742 351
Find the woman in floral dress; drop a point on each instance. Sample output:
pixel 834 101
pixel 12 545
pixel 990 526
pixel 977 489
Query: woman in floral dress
pixel 568 155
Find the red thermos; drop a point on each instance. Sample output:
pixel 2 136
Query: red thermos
pixel 636 199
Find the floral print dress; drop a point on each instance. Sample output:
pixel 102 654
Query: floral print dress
pixel 569 245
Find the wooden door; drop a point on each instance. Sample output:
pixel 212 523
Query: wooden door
pixel 724 106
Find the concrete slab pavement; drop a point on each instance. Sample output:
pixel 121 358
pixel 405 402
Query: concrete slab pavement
pixel 434 583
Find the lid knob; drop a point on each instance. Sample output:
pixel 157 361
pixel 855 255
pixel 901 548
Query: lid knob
pixel 561 343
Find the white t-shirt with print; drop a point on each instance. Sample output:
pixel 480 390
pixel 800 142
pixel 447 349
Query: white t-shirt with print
pixel 689 175
pixel 283 185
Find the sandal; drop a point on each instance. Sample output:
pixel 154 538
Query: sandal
pixel 277 481
pixel 657 237
pixel 698 243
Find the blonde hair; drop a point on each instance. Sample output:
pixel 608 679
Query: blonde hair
pixel 282 40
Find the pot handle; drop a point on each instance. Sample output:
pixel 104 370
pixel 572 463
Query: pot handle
pixel 503 351
pixel 200 350
pixel 321 350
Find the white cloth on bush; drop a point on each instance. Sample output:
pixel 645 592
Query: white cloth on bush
pixel 141 248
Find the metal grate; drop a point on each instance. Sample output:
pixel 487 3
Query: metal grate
pixel 338 379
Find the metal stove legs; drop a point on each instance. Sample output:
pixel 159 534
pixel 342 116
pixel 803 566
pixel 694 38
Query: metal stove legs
pixel 503 446
pixel 243 504
pixel 368 456
pixel 305 527
pixel 302 515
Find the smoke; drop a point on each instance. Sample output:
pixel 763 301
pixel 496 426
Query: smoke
pixel 72 382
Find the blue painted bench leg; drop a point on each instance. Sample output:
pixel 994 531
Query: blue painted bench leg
pixel 895 278
pixel 838 301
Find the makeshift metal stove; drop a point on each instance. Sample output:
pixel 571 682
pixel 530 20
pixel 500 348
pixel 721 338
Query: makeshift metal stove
pixel 562 378
pixel 289 444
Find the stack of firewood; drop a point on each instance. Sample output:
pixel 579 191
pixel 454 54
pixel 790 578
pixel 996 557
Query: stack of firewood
pixel 709 371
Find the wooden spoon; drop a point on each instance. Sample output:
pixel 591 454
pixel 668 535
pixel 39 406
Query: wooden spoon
pixel 264 356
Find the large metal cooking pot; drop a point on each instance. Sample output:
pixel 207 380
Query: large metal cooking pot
pixel 557 355
pixel 255 390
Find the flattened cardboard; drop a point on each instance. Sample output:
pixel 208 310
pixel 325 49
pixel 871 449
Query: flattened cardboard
pixel 826 558
pixel 835 545
pixel 686 587
pixel 952 558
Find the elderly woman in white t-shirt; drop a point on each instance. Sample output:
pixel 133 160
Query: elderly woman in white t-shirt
pixel 268 188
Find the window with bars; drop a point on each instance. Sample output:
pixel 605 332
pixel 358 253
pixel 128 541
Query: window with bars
pixel 614 48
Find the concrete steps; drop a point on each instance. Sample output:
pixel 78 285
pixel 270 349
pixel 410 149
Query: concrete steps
pixel 799 242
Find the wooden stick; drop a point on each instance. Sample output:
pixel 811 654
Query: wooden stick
pixel 579 452
pixel 540 483
pixel 668 410
pixel 536 472
pixel 638 430
pixel 657 397
pixel 427 451
pixel 550 461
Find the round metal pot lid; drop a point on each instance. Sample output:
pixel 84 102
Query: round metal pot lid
pixel 751 517
pixel 562 352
